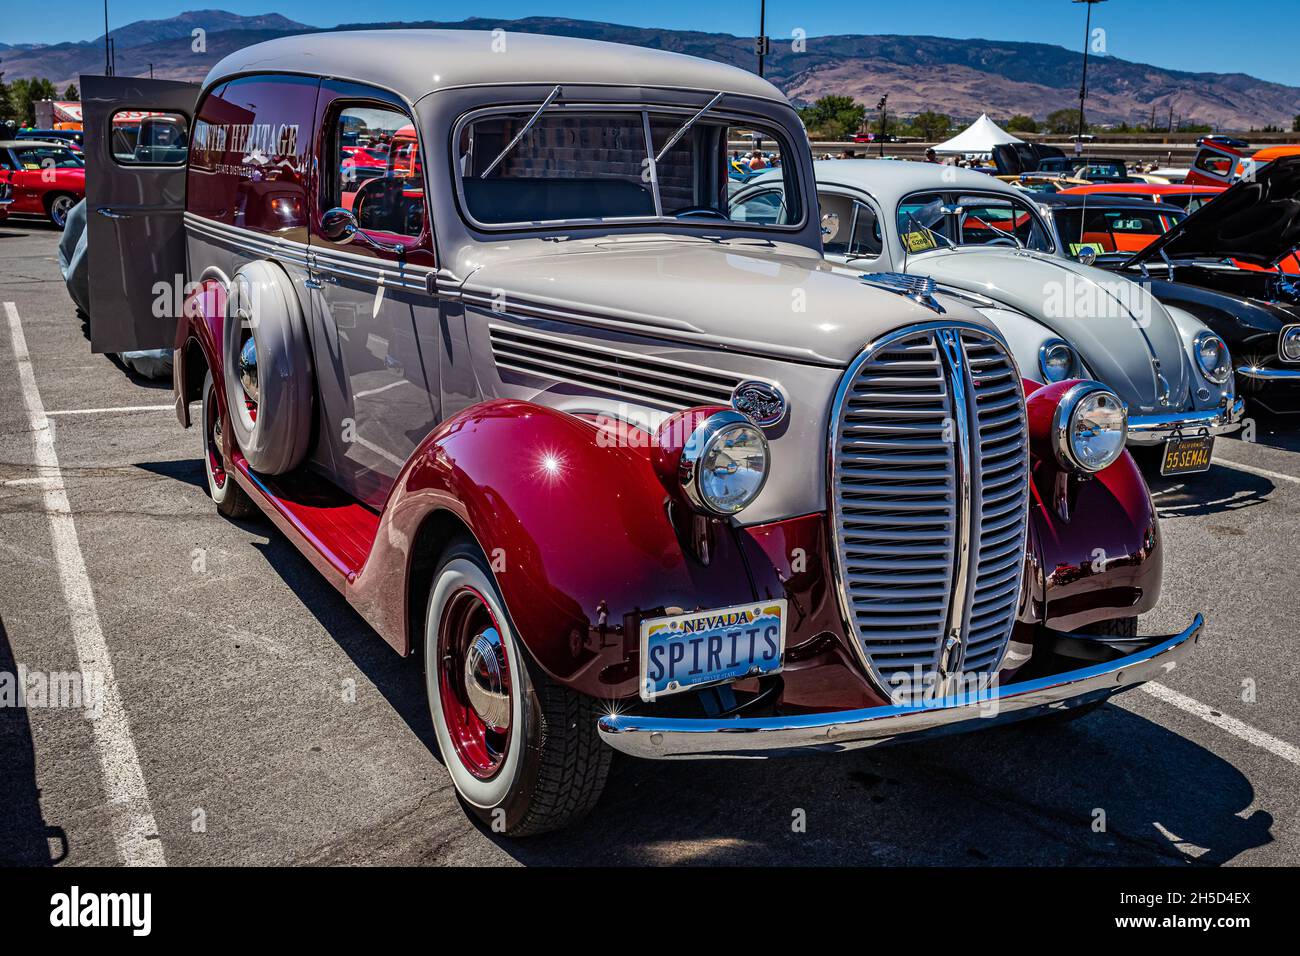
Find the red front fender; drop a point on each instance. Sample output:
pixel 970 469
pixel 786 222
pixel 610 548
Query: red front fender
pixel 578 537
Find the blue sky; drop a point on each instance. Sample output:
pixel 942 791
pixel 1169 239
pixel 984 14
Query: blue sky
pixel 1256 38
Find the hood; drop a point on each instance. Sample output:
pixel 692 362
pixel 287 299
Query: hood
pixel 1255 220
pixel 1115 324
pixel 1014 158
pixel 736 296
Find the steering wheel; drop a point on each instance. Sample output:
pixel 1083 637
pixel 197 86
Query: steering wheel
pixel 701 212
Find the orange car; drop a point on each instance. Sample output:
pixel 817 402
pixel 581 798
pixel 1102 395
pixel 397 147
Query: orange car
pixel 1189 197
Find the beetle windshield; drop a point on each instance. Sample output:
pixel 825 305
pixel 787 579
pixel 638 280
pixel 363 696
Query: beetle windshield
pixel 586 165
pixel 939 220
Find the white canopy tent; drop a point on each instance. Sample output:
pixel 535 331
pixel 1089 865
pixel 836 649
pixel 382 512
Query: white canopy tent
pixel 980 137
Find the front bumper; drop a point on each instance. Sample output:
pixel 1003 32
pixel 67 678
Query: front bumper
pixel 1157 429
pixel 758 737
pixel 1258 374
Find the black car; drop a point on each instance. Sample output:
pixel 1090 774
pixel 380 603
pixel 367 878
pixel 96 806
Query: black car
pixel 1233 264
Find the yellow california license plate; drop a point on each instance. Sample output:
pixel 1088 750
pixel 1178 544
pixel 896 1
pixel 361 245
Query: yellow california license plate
pixel 1185 456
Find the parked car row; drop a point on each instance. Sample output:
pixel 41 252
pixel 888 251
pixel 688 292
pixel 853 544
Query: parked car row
pixel 634 456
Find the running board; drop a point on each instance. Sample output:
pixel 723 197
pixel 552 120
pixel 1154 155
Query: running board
pixel 337 531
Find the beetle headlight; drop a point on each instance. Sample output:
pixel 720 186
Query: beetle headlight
pixel 1288 348
pixel 1090 427
pixel 1212 356
pixel 724 463
pixel 1056 361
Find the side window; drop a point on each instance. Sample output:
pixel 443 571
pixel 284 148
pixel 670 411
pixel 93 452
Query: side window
pixel 150 139
pixel 766 207
pixel 849 228
pixel 376 170
pixel 250 151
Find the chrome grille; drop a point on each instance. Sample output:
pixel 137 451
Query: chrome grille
pixel 647 378
pixel 929 494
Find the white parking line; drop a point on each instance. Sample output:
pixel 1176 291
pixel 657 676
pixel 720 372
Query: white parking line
pixel 134 829
pixel 1276 475
pixel 112 410
pixel 1252 735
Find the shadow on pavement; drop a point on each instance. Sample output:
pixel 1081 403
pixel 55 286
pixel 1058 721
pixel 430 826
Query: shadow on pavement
pixel 1024 795
pixel 1219 490
pixel 25 838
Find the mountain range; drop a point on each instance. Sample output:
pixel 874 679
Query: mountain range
pixel 960 77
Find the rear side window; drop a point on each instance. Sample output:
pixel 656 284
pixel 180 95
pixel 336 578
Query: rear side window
pixel 250 151
pixel 150 139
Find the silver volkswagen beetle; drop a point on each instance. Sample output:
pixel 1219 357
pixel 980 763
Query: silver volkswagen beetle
pixel 987 242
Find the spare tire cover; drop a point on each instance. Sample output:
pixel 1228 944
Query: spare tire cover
pixel 275 432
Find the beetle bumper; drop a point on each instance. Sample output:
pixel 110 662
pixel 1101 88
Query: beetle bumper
pixel 1156 429
pixel 1132 662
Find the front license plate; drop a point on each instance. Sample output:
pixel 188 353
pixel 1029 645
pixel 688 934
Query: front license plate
pixel 688 651
pixel 1183 456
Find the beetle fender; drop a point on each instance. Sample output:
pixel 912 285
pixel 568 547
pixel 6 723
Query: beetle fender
pixel 577 534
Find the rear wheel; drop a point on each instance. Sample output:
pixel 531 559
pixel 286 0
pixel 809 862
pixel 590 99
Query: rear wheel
pixel 521 749
pixel 230 499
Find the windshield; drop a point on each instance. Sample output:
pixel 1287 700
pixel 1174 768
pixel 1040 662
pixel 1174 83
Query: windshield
pixel 1112 230
pixel 587 165
pixel 936 220
pixel 44 157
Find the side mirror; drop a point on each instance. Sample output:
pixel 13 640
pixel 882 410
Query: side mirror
pixel 338 225
pixel 1088 255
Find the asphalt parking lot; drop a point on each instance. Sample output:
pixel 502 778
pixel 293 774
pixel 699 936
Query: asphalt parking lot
pixel 269 725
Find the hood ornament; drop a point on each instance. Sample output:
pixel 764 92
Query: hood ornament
pixel 920 289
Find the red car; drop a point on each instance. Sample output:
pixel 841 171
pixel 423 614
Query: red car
pixel 1186 197
pixel 47 180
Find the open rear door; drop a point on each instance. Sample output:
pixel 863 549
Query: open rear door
pixel 1214 165
pixel 136 140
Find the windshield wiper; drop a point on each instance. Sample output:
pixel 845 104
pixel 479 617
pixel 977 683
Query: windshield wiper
pixel 672 140
pixel 532 121
pixel 935 235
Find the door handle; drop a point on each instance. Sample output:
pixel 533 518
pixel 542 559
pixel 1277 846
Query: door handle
pixel 108 213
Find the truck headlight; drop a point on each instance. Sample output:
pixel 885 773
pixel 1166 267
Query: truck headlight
pixel 1056 361
pixel 724 463
pixel 1212 356
pixel 1090 427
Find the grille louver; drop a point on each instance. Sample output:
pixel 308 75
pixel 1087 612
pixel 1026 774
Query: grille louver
pixel 929 487
pixel 655 381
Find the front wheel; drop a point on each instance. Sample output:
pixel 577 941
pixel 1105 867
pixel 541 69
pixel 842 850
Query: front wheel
pixel 59 207
pixel 521 749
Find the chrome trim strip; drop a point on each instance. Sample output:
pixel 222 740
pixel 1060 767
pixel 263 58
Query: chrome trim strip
pixel 762 737
pixel 315 257
pixel 953 650
pixel 1152 429
pixel 1268 374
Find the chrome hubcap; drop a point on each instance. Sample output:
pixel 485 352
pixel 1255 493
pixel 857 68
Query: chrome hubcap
pixel 248 368
pixel 486 686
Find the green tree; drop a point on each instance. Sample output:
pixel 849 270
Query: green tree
pixel 72 93
pixel 931 126
pixel 833 117
pixel 1295 125
pixel 23 95
pixel 1063 121
pixel 1020 123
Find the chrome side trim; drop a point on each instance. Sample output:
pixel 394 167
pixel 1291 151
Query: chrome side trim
pixel 1153 429
pixel 318 257
pixel 762 737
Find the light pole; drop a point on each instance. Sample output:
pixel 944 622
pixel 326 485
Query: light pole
pixel 883 106
pixel 1083 85
pixel 762 46
pixel 107 67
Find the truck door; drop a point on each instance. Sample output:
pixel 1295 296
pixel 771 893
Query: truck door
pixel 136 141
